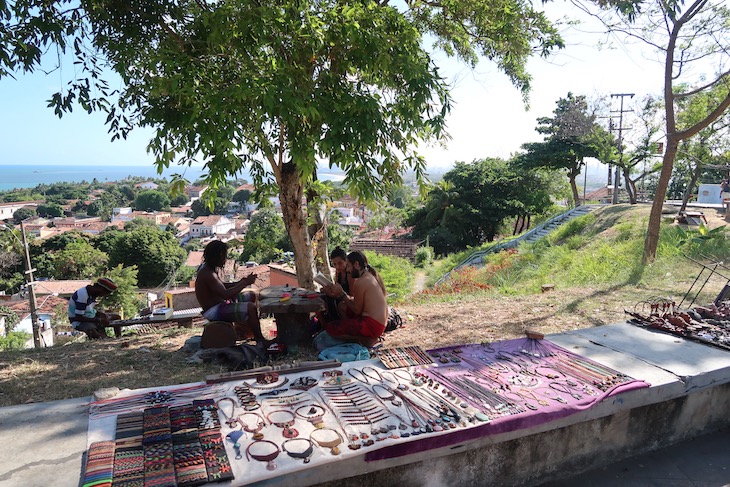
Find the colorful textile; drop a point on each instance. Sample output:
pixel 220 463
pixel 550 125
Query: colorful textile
pixel 128 467
pixel 99 465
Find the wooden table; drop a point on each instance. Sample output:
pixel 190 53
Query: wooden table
pixel 292 315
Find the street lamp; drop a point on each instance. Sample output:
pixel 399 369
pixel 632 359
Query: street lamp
pixel 29 280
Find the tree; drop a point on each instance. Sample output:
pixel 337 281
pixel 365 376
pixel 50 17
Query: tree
pixel 179 199
pixel 23 214
pixel 11 318
pixel 155 253
pixel 692 40
pixel 151 200
pixel 567 140
pixel 265 238
pixel 79 260
pixel 202 208
pixel 125 298
pixel 50 210
pixel 95 208
pixel 280 84
pixel 707 147
pixel 473 200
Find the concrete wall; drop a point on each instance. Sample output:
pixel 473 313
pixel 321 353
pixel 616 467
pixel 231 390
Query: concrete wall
pixel 564 452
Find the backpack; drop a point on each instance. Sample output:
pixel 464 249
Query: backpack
pixel 394 320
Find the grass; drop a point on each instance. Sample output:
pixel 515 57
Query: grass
pixel 594 263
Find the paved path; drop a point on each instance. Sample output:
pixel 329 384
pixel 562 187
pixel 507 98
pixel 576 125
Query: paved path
pixel 700 462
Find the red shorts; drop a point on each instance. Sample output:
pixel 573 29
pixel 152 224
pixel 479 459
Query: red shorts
pixel 364 326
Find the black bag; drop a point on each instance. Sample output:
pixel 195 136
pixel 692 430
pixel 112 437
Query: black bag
pixel 394 320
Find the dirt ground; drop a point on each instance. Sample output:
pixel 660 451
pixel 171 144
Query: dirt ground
pixel 79 368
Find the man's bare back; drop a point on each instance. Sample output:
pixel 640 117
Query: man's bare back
pixel 369 298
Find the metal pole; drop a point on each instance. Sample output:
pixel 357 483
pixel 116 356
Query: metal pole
pixel 617 179
pixel 31 290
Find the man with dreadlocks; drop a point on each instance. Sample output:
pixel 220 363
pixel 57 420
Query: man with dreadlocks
pixel 222 301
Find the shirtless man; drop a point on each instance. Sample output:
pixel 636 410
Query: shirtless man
pixel 222 301
pixel 366 309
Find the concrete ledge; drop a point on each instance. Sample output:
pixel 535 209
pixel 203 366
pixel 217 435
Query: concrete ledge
pixel 44 444
pixel 689 395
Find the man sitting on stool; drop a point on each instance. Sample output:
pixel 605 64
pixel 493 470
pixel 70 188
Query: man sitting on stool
pixel 221 300
pixel 82 314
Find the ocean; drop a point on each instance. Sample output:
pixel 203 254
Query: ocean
pixel 29 176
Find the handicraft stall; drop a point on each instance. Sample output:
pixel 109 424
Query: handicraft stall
pixel 249 430
pixel 704 324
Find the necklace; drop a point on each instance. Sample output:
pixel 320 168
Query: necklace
pixel 259 425
pixel 313 415
pixel 268 458
pixel 390 397
pixel 378 377
pixel 275 385
pixel 305 455
pixel 286 426
pixel 331 444
pixel 229 419
pixel 365 378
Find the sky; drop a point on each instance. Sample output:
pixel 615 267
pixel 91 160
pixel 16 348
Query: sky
pixel 488 117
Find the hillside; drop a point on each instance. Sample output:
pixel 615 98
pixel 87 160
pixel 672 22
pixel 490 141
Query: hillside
pixel 594 265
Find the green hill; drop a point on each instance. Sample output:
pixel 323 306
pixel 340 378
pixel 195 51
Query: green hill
pixel 601 249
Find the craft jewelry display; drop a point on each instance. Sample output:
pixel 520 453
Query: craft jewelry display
pixel 362 406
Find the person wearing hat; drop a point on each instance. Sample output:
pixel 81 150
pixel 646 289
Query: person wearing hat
pixel 82 313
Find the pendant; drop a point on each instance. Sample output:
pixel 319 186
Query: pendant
pixel 307 460
pixel 258 436
pixel 396 402
pixel 290 432
pixel 334 450
pixel 270 466
pixel 437 428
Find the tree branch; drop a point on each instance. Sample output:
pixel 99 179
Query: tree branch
pixel 702 88
pixel 715 114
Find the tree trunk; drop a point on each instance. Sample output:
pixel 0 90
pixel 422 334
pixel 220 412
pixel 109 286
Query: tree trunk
pixel 574 188
pixel 290 196
pixel 316 210
pixel 630 188
pixel 655 217
pixel 690 186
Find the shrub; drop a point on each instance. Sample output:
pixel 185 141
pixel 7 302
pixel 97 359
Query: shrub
pixel 424 256
pixel 15 340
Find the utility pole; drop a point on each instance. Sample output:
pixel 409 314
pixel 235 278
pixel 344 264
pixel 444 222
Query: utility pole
pixel 29 281
pixel 620 129
pixel 31 291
